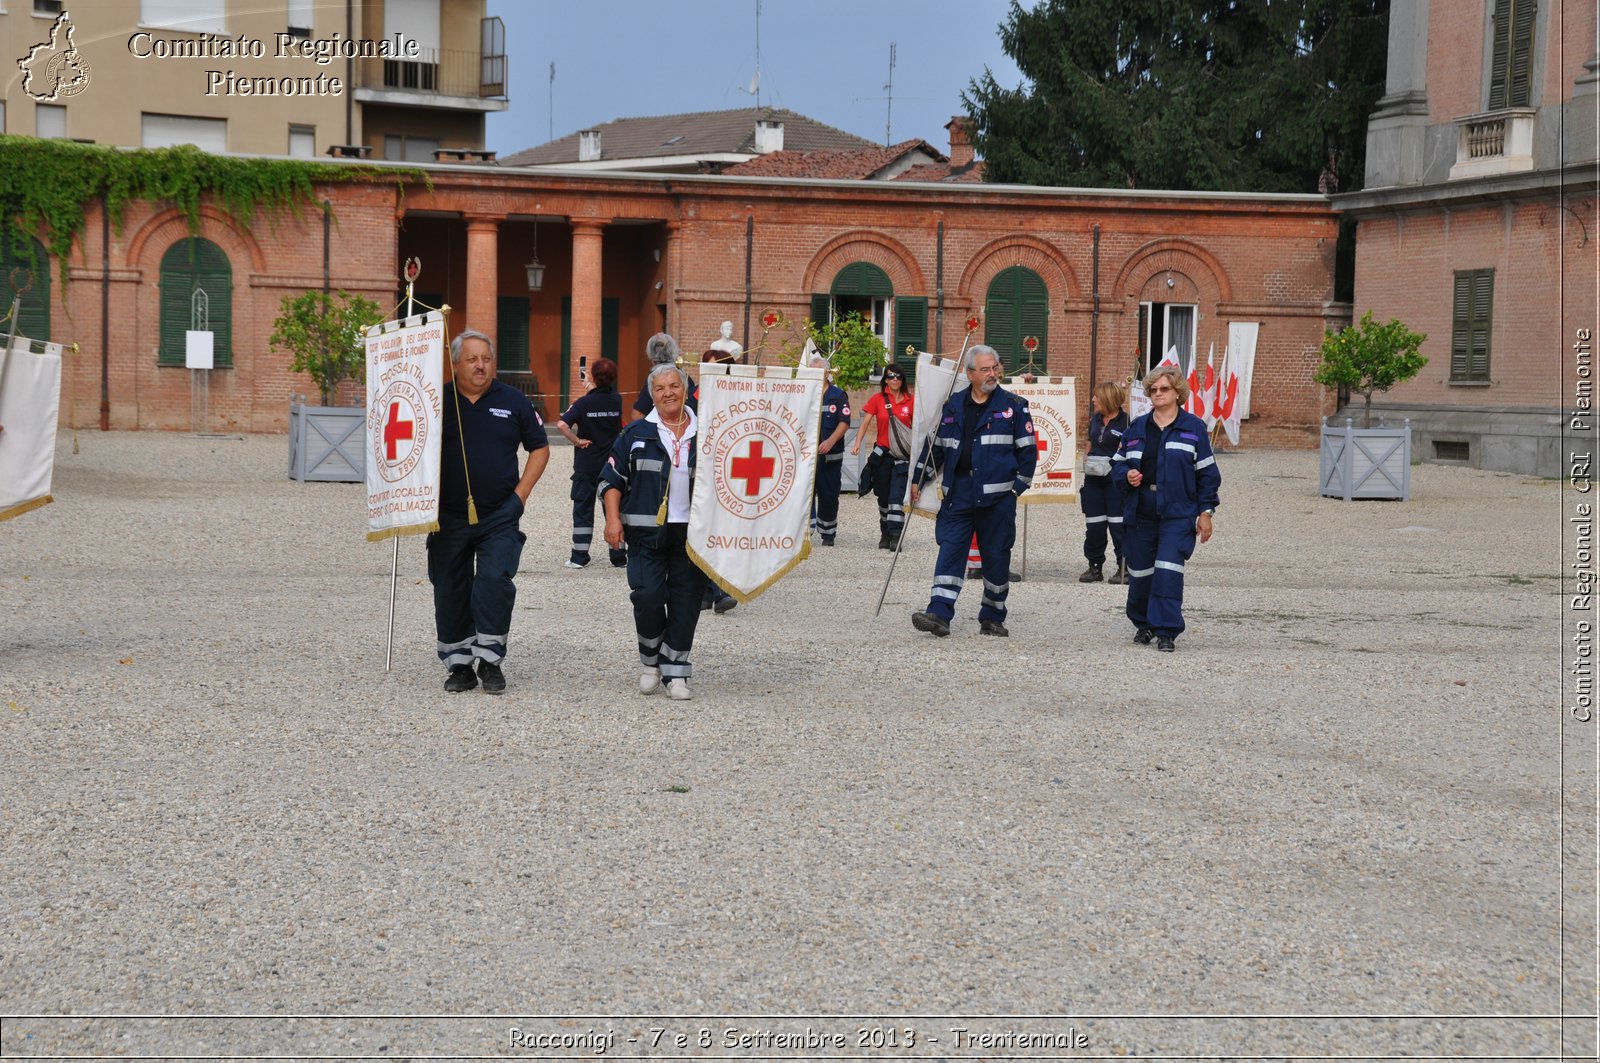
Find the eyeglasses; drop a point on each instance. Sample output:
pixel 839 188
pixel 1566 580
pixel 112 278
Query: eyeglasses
pixel 1158 391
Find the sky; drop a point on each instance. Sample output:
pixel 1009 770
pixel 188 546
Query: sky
pixel 826 59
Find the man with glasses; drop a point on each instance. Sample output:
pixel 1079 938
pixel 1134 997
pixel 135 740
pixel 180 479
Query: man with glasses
pixel 985 448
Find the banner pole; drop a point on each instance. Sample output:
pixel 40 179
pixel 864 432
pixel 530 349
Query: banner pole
pixel 1024 572
pixel 921 470
pixel 413 268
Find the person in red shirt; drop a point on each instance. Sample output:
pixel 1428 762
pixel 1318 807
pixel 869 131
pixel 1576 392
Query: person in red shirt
pixel 889 467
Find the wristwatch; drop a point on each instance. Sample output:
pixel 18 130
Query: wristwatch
pixel 1208 512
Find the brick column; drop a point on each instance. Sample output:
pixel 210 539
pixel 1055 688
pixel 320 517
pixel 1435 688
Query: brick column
pixel 483 273
pixel 586 239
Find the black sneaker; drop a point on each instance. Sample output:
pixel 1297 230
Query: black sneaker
pixel 884 543
pixel 619 559
pixel 460 679
pixel 1165 644
pixel 993 627
pixel 925 621
pixel 827 542
pixel 725 605
pixel 1143 636
pixel 494 680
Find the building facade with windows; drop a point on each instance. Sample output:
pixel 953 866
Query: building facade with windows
pixel 1071 282
pixel 391 79
pixel 1478 223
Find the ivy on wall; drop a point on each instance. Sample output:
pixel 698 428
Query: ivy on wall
pixel 47 185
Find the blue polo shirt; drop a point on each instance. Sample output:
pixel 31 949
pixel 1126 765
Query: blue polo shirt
pixel 597 417
pixel 501 420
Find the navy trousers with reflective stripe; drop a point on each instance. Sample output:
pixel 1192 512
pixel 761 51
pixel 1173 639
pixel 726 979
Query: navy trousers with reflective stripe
pixel 825 502
pixel 666 588
pixel 996 527
pixel 1101 499
pixel 471 568
pixel 891 489
pixel 1156 550
pixel 585 486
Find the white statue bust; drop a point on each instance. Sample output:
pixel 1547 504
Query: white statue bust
pixel 726 343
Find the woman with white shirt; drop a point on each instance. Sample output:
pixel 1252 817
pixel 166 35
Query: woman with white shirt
pixel 645 488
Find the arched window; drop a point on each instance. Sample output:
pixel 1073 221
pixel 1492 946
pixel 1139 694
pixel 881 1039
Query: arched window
pixel 1017 306
pixel 28 261
pixel 196 293
pixel 864 289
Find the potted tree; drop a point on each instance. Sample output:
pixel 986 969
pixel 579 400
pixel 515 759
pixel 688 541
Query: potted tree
pixel 1368 462
pixel 323 333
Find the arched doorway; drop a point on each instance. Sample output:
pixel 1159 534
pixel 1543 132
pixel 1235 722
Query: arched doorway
pixel 1017 306
pixel 865 289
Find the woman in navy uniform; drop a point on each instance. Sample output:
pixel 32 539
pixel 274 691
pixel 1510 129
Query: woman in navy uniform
pixel 1172 479
pixel 646 486
pixel 591 425
pixel 1101 496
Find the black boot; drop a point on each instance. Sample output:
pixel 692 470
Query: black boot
pixel 1120 575
pixel 1091 574
pixel 884 542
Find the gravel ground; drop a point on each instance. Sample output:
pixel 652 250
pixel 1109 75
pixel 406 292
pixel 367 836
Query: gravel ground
pixel 1330 824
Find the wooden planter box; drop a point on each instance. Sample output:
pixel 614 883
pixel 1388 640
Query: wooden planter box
pixel 327 443
pixel 1365 462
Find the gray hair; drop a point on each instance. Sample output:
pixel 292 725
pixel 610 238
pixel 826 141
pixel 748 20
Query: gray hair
pixel 662 370
pixel 661 349
pixel 462 337
pixel 982 348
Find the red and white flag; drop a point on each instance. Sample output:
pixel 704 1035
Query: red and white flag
pixel 30 401
pixel 1227 404
pixel 1202 390
pixel 754 473
pixel 405 424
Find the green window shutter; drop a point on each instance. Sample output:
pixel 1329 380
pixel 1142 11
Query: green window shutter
pixel 511 324
pixel 821 309
pixel 33 317
pixel 187 266
pixel 1017 306
pixel 910 329
pixel 1511 55
pixel 862 278
pixel 610 319
pixel 1471 325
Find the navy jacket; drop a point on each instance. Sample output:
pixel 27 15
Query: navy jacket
pixel 1004 451
pixel 638 467
pixel 1186 469
pixel 835 408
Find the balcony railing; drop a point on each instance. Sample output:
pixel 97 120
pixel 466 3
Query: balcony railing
pixel 1494 142
pixel 443 72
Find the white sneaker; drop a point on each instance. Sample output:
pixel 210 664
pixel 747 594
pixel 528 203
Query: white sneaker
pixel 573 564
pixel 678 689
pixel 650 681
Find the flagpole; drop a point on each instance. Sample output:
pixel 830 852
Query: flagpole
pixel 922 469
pixel 413 269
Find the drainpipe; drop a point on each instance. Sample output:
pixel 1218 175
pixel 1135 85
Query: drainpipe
pixel 105 314
pixel 749 262
pixel 938 289
pixel 349 73
pixel 1094 316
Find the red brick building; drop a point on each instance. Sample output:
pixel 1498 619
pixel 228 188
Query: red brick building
pixel 1094 276
pixel 1478 225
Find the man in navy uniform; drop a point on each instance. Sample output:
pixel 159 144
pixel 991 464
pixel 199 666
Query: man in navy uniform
pixel 986 448
pixel 474 554
pixel 830 458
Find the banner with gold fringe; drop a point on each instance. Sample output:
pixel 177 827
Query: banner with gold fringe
pixel 750 515
pixel 405 408
pixel 1054 404
pixel 30 404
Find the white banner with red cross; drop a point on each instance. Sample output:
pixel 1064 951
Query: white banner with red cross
pixel 750 516
pixel 30 400
pixel 937 380
pixel 1054 404
pixel 405 409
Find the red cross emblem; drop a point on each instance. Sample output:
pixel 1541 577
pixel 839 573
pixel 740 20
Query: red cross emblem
pixel 1043 444
pixel 395 430
pixel 753 468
